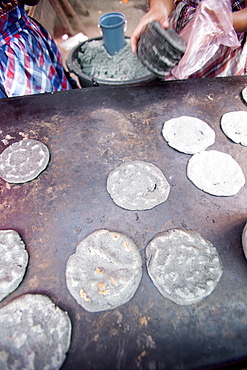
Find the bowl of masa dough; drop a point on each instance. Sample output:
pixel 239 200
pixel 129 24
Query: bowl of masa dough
pixel 93 66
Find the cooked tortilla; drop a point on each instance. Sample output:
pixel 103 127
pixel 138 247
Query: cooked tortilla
pixel 244 240
pixel 105 271
pixel 13 261
pixel 188 134
pixel 234 126
pixel 23 161
pixel 215 173
pixel 183 266
pixel 244 94
pixel 35 334
pixel 137 185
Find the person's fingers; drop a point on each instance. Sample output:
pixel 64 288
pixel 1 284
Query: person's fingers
pixel 139 30
pixel 165 24
pixel 136 35
pixel 133 44
pixel 158 13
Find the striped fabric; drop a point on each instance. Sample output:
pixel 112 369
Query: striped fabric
pixel 30 61
pixel 226 61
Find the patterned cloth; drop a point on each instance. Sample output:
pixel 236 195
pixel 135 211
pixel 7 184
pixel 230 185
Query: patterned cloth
pixel 226 61
pixel 30 61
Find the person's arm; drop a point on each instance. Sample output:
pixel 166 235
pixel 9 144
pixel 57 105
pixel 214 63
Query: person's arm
pixel 159 11
pixel 240 20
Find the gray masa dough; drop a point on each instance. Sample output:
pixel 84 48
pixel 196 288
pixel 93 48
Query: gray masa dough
pixel 234 126
pixel 188 134
pixel 13 261
pixel 215 173
pixel 183 265
pixel 137 185
pixel 23 161
pixel 105 271
pixel 35 334
pixel 94 61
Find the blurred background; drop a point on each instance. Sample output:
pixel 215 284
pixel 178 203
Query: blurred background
pixel 72 21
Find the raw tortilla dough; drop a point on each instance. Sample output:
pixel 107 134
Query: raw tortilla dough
pixel 188 134
pixel 183 266
pixel 244 240
pixel 13 262
pixel 215 173
pixel 35 334
pixel 23 161
pixel 137 185
pixel 234 125
pixel 105 271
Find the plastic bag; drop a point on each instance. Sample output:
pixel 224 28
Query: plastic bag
pixel 210 27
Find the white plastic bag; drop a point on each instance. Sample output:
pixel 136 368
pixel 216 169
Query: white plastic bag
pixel 210 27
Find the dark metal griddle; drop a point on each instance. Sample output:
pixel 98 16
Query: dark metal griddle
pixel 89 132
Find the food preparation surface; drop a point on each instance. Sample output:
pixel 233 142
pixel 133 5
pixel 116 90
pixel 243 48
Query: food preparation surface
pixel 90 132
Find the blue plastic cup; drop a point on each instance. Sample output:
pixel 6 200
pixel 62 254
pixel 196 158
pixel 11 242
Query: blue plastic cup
pixel 113 28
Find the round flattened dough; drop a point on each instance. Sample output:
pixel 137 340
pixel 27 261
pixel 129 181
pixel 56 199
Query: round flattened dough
pixel 244 94
pixel 234 126
pixel 23 161
pixel 183 266
pixel 35 334
pixel 105 271
pixel 188 135
pixel 215 173
pixel 244 240
pixel 13 262
pixel 137 185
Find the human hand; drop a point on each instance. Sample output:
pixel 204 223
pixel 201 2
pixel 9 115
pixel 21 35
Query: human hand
pixel 158 12
pixel 240 20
